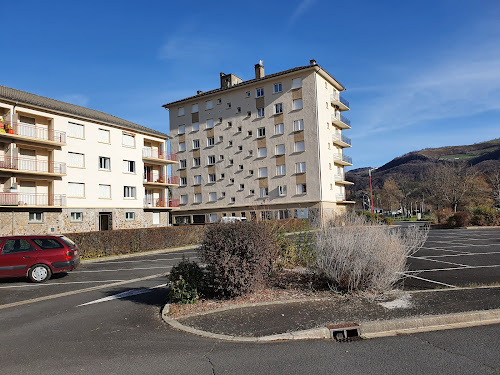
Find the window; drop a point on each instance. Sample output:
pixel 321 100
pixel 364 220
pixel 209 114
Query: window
pixel 279 129
pixel 184 199
pixel 259 92
pixel 300 167
pixel 233 199
pixel 195 126
pixel 239 128
pixel 249 133
pixel 231 181
pixel 263 192
pixel 130 215
pixel 223 194
pixel 251 192
pixel 182 164
pixel 210 141
pixel 197 180
pixel 128 140
pixel 209 104
pixel 76 216
pixel 219 101
pixel 327 105
pixel 103 135
pixel 196 162
pixel 212 178
pixel 182 129
pixel 297 104
pixel 221 138
pixel 301 189
pixel 278 108
pixel 262 172
pixel 249 113
pixel 76 160
pixel 242 186
pixel 247 94
pixel 240 167
pixel 280 149
pixel 104 163
pixel 183 181
pixel 34 217
pixel 212 218
pixel 298 125
pixel 250 152
pixel 299 146
pixel 129 166
pixel 240 148
pixel 277 88
pixel 76 189
pixel 282 190
pixel 229 124
pixel 180 111
pixel 76 130
pixel 296 83
pixel 211 159
pixel 228 105
pixel 129 192
pixel 104 191
pixel 238 110
pixel 197 198
pixel 222 176
pixel 196 144
pixel 230 144
pixel 182 146
pixel 262 152
pixel 260 112
pixel 281 170
pixel 250 172
pixel 231 161
pixel 210 123
pixel 212 197
pixel 261 132
pixel 194 108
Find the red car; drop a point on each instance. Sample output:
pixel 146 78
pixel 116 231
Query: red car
pixel 37 257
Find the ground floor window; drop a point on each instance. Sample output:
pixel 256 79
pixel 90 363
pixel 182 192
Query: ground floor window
pixel 212 218
pixel 156 218
pixel 36 217
pixel 129 215
pixel 76 217
pixel 182 220
pixel 301 213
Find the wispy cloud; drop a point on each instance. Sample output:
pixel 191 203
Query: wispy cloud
pixel 301 9
pixel 77 99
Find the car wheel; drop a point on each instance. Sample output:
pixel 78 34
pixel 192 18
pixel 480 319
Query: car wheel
pixel 39 273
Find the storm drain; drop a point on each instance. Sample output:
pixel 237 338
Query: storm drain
pixel 344 332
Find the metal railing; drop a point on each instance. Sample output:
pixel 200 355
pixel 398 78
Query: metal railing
pixel 157 154
pixel 343 157
pixel 160 202
pixel 32 199
pixel 33 131
pixel 160 179
pixel 336 97
pixel 340 197
pixel 338 117
pixel 344 101
pixel 32 165
pixel 342 137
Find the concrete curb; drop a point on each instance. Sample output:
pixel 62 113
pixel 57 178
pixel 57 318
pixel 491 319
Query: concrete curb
pixel 370 329
pixel 140 254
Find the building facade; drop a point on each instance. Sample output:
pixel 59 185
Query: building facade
pixel 66 168
pixel 270 147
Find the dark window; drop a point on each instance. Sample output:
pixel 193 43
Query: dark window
pixel 47 243
pixel 67 241
pixel 17 246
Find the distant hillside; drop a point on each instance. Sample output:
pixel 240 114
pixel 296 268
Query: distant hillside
pixel 484 155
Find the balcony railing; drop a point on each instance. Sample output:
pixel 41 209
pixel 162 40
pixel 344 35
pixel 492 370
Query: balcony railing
pixel 343 158
pixel 340 197
pixel 32 165
pixel 160 202
pixel 32 199
pixel 339 177
pixel 342 138
pixel 34 131
pixel 157 154
pixel 336 97
pixel 160 179
pixel 344 101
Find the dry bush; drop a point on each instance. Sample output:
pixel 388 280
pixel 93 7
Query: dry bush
pixel 354 255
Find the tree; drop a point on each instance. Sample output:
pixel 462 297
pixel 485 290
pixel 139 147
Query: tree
pixel 494 180
pixel 390 194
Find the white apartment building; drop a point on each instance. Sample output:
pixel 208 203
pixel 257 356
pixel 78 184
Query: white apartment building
pixel 66 168
pixel 269 147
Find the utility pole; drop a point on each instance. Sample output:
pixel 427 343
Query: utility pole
pixel 371 190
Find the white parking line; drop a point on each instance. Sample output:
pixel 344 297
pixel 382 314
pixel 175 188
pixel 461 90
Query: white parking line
pixel 136 261
pixel 460 255
pixel 50 284
pixel 457 268
pixel 128 293
pixel 430 281
pixel 439 261
pixel 123 269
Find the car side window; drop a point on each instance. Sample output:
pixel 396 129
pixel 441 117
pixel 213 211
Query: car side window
pixel 17 246
pixel 47 243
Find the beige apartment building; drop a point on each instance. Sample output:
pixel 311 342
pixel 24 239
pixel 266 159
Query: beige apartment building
pixel 66 168
pixel 269 147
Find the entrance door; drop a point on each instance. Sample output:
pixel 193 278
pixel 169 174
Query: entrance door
pixel 149 199
pixel 148 173
pixel 105 221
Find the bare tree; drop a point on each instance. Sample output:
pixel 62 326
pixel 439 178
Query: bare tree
pixel 494 180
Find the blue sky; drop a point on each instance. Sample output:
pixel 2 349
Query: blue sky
pixel 418 74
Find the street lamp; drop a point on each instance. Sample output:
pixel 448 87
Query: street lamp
pixel 371 190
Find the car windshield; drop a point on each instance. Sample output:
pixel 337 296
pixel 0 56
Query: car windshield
pixel 67 241
pixel 47 243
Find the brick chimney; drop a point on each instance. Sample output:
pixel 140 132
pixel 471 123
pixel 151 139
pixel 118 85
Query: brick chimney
pixel 259 70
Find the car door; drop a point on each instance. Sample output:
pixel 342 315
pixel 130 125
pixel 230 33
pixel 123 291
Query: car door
pixel 17 256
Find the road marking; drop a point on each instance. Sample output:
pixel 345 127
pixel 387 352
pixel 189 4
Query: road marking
pixel 457 268
pixel 135 261
pixel 65 294
pixel 438 261
pixel 49 284
pixel 459 255
pixel 124 269
pixel 430 281
pixel 128 293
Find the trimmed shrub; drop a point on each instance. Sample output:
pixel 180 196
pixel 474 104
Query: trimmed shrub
pixel 239 256
pixel 483 216
pixel 186 282
pixel 354 255
pixel 459 219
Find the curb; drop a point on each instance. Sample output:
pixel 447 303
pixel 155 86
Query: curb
pixel 140 254
pixel 370 329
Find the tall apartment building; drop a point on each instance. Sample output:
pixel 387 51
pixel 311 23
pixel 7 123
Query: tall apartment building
pixel 269 147
pixel 66 168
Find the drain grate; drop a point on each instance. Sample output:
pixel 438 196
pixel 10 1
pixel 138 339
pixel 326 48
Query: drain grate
pixel 344 332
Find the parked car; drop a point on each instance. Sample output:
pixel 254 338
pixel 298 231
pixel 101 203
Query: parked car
pixel 37 257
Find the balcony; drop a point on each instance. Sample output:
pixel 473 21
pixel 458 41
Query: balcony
pixel 152 179
pixel 32 166
pixel 342 160
pixel 339 180
pixel 341 140
pixel 40 134
pixel 341 121
pixel 160 203
pixel 32 199
pixel 342 199
pixel 339 101
pixel 157 156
